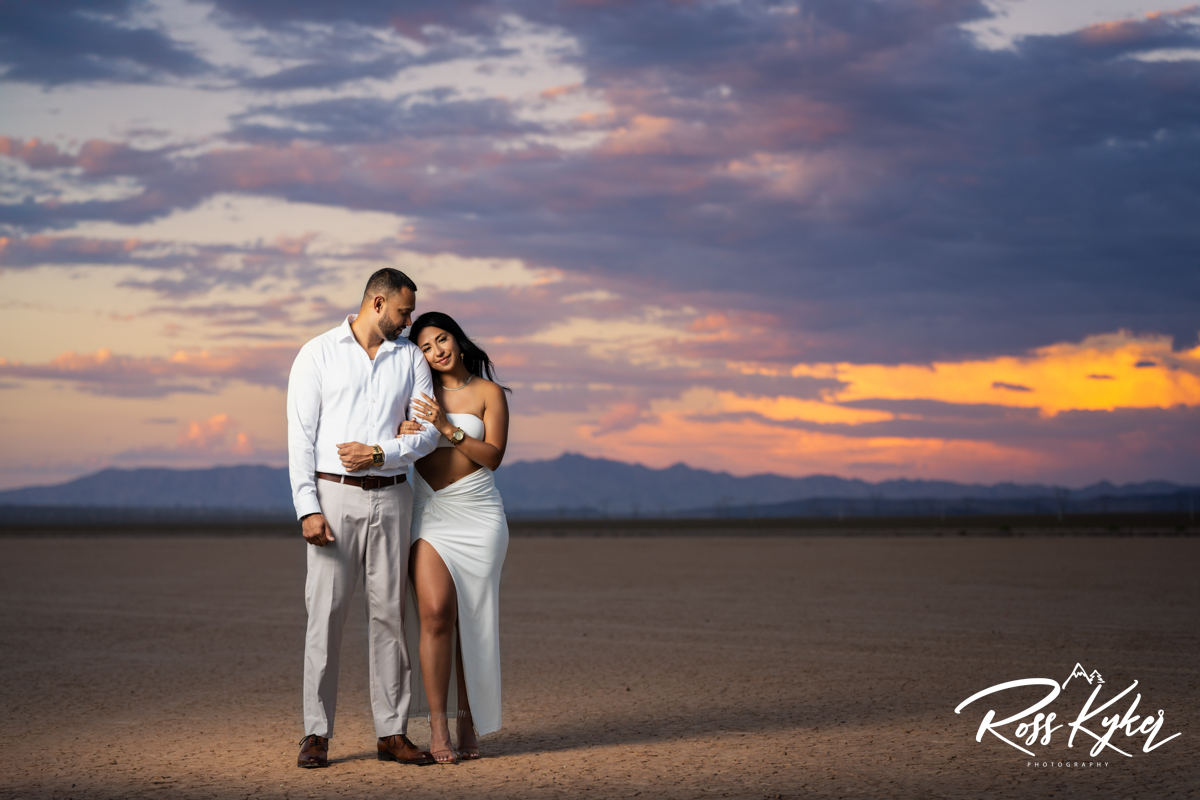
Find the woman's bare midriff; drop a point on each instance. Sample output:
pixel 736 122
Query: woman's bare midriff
pixel 444 466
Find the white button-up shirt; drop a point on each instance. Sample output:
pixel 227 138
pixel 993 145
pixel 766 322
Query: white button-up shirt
pixel 337 394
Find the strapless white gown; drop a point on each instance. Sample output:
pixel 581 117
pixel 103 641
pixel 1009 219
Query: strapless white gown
pixel 465 523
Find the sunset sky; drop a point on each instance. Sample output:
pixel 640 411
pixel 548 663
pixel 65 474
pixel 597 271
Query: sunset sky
pixel 939 239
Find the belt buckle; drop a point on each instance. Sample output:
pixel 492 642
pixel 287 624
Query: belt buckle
pixel 371 482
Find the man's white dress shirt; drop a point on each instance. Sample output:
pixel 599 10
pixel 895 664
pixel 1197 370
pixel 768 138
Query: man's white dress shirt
pixel 337 394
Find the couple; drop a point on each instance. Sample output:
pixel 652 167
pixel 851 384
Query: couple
pixel 350 442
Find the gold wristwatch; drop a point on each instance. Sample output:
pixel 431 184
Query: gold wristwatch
pixel 376 455
pixel 458 435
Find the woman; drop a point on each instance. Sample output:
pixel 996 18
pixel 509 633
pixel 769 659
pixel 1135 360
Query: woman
pixel 459 537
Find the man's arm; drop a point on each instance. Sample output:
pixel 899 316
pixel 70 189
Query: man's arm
pixel 404 450
pixel 303 412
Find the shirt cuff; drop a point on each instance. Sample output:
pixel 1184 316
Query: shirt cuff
pixel 306 505
pixel 391 454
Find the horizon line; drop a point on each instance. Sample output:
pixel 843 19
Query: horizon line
pixel 566 453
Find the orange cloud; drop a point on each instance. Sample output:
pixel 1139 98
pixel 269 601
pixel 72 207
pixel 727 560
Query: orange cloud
pixel 793 408
pixel 216 434
pixel 201 435
pixel 242 445
pixel 34 152
pixel 294 245
pixel 643 135
pixel 746 446
pixel 1105 372
pixel 256 167
pixel 620 417
pixel 1124 382
pixel 1112 32
pixel 554 92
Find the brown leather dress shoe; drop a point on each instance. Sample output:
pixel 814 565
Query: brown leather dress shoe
pixel 314 751
pixel 399 748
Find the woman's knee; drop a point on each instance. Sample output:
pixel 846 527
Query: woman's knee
pixel 438 617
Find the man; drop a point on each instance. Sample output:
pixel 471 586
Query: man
pixel 349 391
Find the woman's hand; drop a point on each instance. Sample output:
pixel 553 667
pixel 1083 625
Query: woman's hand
pixel 409 426
pixel 431 412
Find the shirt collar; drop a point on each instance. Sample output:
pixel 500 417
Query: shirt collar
pixel 346 334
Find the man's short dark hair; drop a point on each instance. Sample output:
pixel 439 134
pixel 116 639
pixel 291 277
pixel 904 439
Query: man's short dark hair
pixel 387 282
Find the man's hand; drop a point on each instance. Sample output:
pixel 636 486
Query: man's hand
pixel 355 456
pixel 316 530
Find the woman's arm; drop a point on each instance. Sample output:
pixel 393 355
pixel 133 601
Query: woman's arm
pixel 487 453
pixel 495 427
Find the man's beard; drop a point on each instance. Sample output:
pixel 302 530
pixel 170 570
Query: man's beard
pixel 389 332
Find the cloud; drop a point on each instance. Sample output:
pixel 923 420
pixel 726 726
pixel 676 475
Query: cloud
pixel 271 311
pixel 218 433
pixel 71 41
pixel 793 408
pixel 35 153
pixel 745 445
pixel 167 269
pixel 445 13
pixel 844 223
pixel 844 161
pixel 1051 379
pixel 622 417
pixel 199 435
pixel 912 419
pixel 1075 447
pixel 356 120
pixel 188 372
pixel 94 158
pixel 28 251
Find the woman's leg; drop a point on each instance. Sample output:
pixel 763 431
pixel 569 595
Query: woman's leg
pixel 437 604
pixel 468 742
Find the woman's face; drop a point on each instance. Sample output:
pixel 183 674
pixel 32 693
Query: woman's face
pixel 440 348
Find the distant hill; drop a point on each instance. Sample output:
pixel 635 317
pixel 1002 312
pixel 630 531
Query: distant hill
pixel 575 485
pixel 245 487
pixel 1182 501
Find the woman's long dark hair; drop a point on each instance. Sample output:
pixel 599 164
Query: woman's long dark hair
pixel 474 359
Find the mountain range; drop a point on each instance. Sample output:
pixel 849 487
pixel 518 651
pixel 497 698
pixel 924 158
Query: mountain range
pixel 577 486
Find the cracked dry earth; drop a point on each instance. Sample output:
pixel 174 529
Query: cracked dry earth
pixel 653 668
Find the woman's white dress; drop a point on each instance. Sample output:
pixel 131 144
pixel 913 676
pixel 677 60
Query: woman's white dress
pixel 465 523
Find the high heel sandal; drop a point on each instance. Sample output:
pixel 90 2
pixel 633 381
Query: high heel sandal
pixel 469 753
pixel 445 756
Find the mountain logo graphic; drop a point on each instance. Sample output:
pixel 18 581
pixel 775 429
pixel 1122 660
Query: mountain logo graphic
pixel 1080 672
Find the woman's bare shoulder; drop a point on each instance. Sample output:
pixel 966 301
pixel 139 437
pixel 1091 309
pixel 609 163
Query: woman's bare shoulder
pixel 491 391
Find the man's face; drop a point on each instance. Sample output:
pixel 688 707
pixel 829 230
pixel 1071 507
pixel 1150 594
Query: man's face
pixel 395 313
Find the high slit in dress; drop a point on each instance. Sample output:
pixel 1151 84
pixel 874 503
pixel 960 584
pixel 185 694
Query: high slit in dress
pixel 465 523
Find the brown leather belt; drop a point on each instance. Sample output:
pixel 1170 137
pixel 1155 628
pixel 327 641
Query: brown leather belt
pixel 365 483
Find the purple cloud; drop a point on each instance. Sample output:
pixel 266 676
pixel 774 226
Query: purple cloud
pixel 75 41
pixel 861 172
pixel 185 372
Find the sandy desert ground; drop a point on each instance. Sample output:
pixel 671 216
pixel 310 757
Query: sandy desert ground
pixel 674 668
